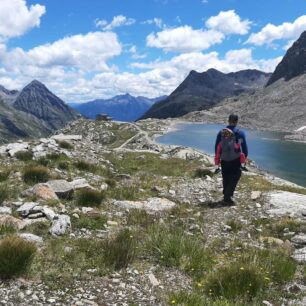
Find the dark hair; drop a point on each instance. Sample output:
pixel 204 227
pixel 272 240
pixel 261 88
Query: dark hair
pixel 233 118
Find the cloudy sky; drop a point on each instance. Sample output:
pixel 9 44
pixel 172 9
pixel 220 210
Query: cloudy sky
pixel 88 49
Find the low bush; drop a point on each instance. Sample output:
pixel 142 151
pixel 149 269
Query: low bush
pixel 24 155
pixel 236 226
pixel 15 256
pixel 35 174
pixel 89 197
pixel 63 165
pixel 202 172
pixel 118 252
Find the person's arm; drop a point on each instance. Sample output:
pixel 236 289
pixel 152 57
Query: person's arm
pixel 218 139
pixel 244 145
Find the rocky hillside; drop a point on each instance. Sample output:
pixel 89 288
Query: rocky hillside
pixel 294 62
pixel 203 90
pixel 102 215
pixel 33 112
pixel 278 107
pixel 121 108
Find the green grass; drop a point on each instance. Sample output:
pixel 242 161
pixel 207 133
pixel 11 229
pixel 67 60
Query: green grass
pixel 152 164
pixel 89 197
pixel 4 192
pixel 130 193
pixel 138 217
pixel 7 228
pixel 4 174
pixel 85 166
pixel 24 155
pixel 236 226
pixel 171 247
pixel 38 228
pixel 120 251
pixel 95 222
pixel 16 256
pixel 35 174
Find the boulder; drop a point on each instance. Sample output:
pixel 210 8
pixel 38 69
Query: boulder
pixel 299 239
pixel 60 225
pixel 62 137
pixel 17 223
pixel 80 184
pixel 62 188
pixel 41 191
pixel 25 209
pixel 5 210
pixel 150 205
pixel 31 238
pixel 300 255
pixel 255 195
pixel 283 203
pixel 13 148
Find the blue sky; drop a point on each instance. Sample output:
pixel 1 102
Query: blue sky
pixel 88 49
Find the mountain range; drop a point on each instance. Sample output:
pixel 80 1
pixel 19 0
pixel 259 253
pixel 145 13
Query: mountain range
pixel 279 106
pixel 121 107
pixel 33 112
pixel 201 91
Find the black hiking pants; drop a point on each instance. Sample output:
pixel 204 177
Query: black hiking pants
pixel 231 173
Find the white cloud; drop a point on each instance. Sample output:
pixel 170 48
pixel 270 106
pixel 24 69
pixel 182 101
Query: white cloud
pixel 271 32
pixel 16 18
pixel 228 22
pixel 157 21
pixel 118 21
pixel 133 49
pixel 184 39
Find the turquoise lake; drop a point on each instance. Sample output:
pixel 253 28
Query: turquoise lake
pixel 270 152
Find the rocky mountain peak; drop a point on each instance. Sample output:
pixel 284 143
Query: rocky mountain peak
pixel 294 62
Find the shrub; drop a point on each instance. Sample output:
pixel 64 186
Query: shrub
pixel 89 197
pixel 235 225
pixel 173 248
pixel 118 252
pixel 202 172
pixel 85 166
pixel 65 145
pixel 15 256
pixel 35 174
pixel 235 280
pixel 24 155
pixel 63 165
pixel 111 182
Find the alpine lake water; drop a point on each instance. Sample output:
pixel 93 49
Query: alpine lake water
pixel 269 150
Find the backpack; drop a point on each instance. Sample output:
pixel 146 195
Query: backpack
pixel 230 148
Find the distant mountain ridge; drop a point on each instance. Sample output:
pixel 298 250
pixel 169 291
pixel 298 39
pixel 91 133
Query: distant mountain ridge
pixel 121 107
pixel 33 112
pixel 203 90
pixel 280 106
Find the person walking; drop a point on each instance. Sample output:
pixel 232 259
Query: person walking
pixel 231 151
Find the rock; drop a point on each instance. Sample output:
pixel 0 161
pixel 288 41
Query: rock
pixel 35 215
pixel 257 205
pixel 62 137
pixel 26 208
pixel 124 176
pixel 283 203
pixel 112 223
pixel 48 212
pixel 299 239
pixel 17 223
pixel 272 240
pixel 86 210
pixel 80 184
pixel 62 188
pixel 32 238
pixel 153 280
pixel 13 148
pixel 42 191
pixel 255 195
pixel 60 226
pixel 300 255
pixel 5 210
pixel 151 205
pixel 103 187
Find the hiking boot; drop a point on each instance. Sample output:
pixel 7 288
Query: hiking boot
pixel 228 202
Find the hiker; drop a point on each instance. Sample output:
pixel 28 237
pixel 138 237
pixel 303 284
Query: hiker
pixel 231 152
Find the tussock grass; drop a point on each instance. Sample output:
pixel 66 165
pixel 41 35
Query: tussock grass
pixel 130 193
pixel 4 174
pixel 4 192
pixel 39 228
pixel 173 248
pixel 65 145
pixel 236 226
pixel 83 165
pixel 24 155
pixel 94 222
pixel 138 217
pixel 89 197
pixel 118 252
pixel 16 256
pixel 35 174
pixel 7 228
